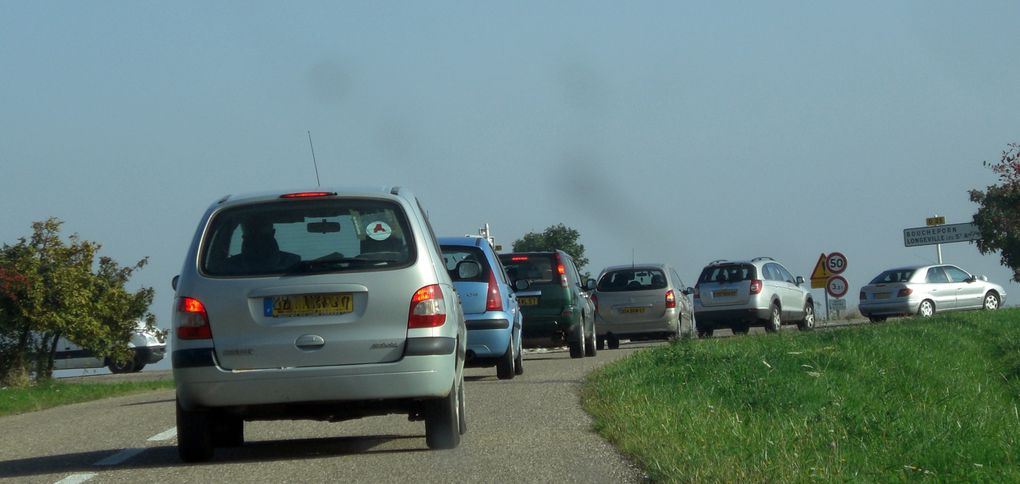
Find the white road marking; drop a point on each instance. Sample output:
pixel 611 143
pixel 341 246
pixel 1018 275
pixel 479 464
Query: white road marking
pixel 120 457
pixel 167 435
pixel 77 478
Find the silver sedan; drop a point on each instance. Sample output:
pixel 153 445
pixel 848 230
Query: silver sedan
pixel 923 290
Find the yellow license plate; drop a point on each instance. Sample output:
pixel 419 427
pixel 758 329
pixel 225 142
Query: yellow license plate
pixel 725 293
pixel 632 310
pixel 527 301
pixel 309 305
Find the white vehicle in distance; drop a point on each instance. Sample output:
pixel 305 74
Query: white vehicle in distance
pixel 926 289
pixel 324 305
pixel 147 348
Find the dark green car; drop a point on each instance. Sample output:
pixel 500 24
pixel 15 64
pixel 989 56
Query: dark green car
pixel 556 306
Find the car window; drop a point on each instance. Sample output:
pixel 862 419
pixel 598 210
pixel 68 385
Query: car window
pixel 501 272
pixel 956 274
pixel 454 256
pixel 936 275
pixel 676 279
pixel 306 236
pixel 535 268
pixel 894 275
pixel 632 280
pixel 728 273
pixel 784 275
pixel 770 272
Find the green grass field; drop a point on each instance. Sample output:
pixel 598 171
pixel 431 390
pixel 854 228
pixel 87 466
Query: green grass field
pixel 931 399
pixel 54 393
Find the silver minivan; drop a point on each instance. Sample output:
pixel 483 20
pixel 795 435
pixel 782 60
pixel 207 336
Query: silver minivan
pixel 640 302
pixel 324 304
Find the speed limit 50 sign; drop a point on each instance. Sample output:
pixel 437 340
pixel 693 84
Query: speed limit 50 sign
pixel 836 263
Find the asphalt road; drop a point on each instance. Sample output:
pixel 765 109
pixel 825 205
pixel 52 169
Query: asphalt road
pixel 529 429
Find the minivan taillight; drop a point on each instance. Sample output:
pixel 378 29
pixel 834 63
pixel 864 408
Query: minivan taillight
pixel 493 301
pixel 193 321
pixel 670 299
pixel 906 291
pixel 755 286
pixel 428 309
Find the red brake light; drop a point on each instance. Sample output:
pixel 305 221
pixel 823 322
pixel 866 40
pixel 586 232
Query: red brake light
pixel 193 321
pixel 428 309
pixel 519 258
pixel 670 299
pixel 697 292
pixel 756 286
pixel 906 291
pixel 561 270
pixel 493 301
pixel 307 194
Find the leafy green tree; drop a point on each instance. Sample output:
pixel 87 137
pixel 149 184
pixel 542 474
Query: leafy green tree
pixel 555 237
pixel 998 217
pixel 49 289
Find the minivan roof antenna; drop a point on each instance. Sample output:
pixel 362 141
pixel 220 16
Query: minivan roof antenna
pixel 632 262
pixel 316 165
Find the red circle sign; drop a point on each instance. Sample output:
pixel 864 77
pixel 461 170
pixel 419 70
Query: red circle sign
pixel 835 263
pixel 837 286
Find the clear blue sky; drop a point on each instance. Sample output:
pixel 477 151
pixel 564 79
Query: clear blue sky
pixel 682 132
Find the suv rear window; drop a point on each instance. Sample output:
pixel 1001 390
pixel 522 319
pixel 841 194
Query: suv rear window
pixel 453 255
pixel 728 273
pixel 540 268
pixel 632 280
pixel 307 236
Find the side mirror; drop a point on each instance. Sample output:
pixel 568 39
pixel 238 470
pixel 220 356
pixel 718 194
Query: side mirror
pixel 688 291
pixel 522 284
pixel 589 284
pixel 983 278
pixel 468 269
pixel 800 280
pixel 173 282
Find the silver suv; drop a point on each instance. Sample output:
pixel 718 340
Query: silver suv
pixel 326 305
pixel 758 292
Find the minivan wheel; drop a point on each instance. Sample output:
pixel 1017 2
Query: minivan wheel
pixel 991 301
pixel 442 420
pixel 808 323
pixel 926 309
pixel 775 320
pixel 613 341
pixel 194 435
pixel 505 364
pixel 228 431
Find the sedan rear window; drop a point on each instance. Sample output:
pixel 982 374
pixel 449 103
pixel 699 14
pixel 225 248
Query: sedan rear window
pixel 632 280
pixel 728 273
pixel 307 236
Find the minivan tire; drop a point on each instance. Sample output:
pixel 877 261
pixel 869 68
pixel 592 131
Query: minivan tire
pixel 442 420
pixel 505 363
pixel 194 435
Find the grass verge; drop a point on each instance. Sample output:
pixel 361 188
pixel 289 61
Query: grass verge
pixel 54 393
pixel 932 399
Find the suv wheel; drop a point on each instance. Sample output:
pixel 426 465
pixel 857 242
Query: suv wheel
pixel 505 364
pixel 443 421
pixel 808 323
pixel 775 320
pixel 194 435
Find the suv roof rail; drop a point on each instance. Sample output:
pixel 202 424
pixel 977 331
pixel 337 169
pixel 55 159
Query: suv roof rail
pixel 395 191
pixel 717 261
pixel 756 259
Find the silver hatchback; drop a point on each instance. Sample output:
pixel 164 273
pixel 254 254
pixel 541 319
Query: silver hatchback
pixel 925 289
pixel 327 305
pixel 640 302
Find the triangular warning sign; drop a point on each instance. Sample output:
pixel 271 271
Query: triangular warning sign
pixel 821 274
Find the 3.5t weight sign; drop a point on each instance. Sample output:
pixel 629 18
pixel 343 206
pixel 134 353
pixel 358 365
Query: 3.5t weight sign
pixel 837 286
pixel 836 263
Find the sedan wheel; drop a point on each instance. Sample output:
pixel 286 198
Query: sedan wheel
pixel 991 301
pixel 926 309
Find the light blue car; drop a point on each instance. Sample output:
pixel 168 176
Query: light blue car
pixel 490 307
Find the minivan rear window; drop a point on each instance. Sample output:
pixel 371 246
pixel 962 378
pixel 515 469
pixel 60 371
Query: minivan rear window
pixel 537 268
pixel 307 236
pixel 632 280
pixel 728 273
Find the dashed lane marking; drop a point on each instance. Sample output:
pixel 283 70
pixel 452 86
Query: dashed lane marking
pixel 167 435
pixel 120 457
pixel 77 478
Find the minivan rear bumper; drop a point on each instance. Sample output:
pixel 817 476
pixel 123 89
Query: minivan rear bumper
pixel 410 377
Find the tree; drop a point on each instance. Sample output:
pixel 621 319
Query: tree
pixel 49 289
pixel 555 237
pixel 998 217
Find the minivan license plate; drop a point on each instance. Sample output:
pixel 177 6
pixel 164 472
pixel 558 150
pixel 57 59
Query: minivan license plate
pixel 308 305
pixel 632 310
